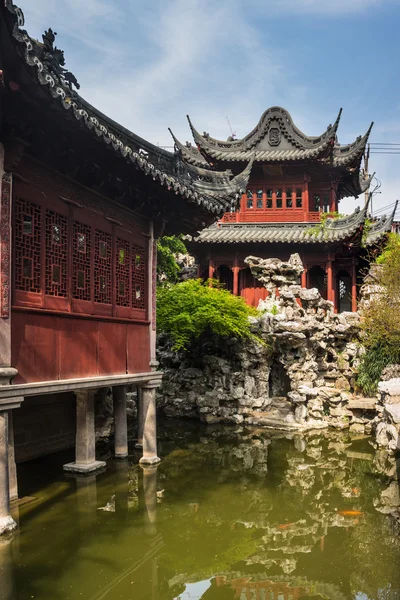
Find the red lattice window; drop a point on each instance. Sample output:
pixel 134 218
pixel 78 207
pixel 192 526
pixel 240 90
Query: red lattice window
pixel 122 272
pixel 27 246
pixel 56 254
pixel 138 277
pixel 81 267
pixel 102 267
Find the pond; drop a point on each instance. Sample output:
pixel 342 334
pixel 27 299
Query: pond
pixel 228 514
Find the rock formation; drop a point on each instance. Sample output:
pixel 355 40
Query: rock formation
pixel 387 421
pixel 304 376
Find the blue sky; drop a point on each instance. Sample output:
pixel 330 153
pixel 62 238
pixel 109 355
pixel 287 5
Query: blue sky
pixel 147 63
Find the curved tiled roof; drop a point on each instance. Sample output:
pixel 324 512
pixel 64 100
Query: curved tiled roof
pixel 46 61
pixel 300 233
pixel 274 114
pixel 381 227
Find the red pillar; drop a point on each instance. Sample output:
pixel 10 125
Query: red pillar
pixel 304 278
pixel 236 281
pixel 332 200
pixel 353 286
pixel 211 269
pixel 329 291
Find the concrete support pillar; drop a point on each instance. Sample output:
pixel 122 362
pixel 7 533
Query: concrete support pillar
pixel 149 425
pixel 12 467
pixel 85 449
pixel 140 417
pixel 353 286
pixel 120 422
pixel 7 523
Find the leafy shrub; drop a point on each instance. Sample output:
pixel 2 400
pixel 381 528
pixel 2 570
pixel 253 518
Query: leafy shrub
pixel 381 319
pixel 192 310
pixel 167 249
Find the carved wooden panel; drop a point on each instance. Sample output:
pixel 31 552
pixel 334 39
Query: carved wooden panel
pixel 56 254
pixel 123 267
pixel 139 266
pixel 27 243
pixel 81 261
pixel 102 267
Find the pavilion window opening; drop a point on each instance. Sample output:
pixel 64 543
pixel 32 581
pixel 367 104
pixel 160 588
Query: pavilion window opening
pixel 138 261
pixel 299 198
pixel 269 198
pixel 260 194
pixel 279 199
pixel 316 206
pixel 289 198
pixel 121 256
pixel 121 288
pixel 249 199
pixel 325 203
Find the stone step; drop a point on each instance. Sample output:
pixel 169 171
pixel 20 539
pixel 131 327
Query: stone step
pixel 362 404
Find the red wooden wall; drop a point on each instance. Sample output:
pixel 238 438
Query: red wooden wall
pixel 49 347
pixel 80 284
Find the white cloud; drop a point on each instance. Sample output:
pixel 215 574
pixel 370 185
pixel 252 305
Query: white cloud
pixel 147 64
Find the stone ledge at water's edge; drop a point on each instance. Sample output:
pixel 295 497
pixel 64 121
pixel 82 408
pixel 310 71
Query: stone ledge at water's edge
pixel 302 378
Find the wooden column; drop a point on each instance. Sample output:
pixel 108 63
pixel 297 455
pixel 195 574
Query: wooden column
pixel 306 199
pixel 211 269
pixel 235 276
pixel 5 261
pixel 304 278
pixel 236 281
pixel 332 199
pixel 329 285
pixel 353 286
pixel 151 294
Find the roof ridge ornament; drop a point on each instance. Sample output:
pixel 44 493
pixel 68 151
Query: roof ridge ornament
pixel 55 59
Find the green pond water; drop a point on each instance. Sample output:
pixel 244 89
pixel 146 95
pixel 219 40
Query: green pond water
pixel 228 514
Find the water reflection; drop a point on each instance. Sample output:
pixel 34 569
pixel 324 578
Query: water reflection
pixel 227 514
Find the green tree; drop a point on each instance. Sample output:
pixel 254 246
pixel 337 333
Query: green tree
pixel 381 322
pixel 192 310
pixel 168 247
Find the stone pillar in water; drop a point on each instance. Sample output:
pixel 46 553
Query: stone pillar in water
pixel 7 523
pixel 120 422
pixel 85 449
pixel 149 424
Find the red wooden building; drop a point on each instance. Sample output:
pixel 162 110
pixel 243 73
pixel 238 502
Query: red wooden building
pixel 82 201
pixel 294 179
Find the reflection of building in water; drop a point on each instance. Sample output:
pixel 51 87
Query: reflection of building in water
pixel 246 588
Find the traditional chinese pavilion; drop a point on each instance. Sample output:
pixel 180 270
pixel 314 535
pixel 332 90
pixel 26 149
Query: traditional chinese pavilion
pixel 294 180
pixel 82 201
